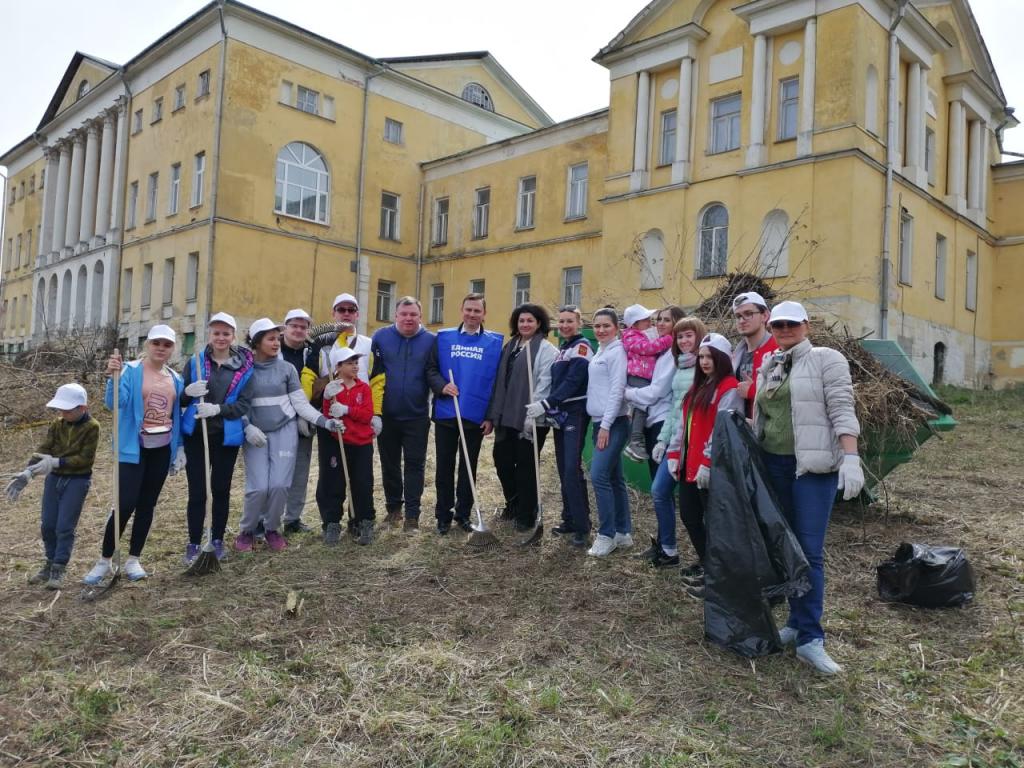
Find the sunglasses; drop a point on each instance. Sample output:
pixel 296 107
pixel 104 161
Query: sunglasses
pixel 785 324
pixel 568 308
pixel 346 310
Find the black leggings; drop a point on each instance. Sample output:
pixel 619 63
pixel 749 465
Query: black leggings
pixel 692 503
pixel 222 468
pixel 139 488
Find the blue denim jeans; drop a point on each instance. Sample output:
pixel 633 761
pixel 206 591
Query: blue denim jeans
pixel 663 491
pixel 608 481
pixel 569 458
pixel 807 504
pixel 63 499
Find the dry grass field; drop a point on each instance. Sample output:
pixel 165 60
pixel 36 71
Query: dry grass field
pixel 417 651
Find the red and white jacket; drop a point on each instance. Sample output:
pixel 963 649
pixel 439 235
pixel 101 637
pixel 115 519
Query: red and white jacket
pixel 693 438
pixel 359 400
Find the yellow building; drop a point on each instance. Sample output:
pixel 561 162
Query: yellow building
pixel 847 150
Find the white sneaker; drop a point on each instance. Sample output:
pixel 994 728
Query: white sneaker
pixel 99 572
pixel 813 654
pixel 133 569
pixel 787 636
pixel 623 540
pixel 602 546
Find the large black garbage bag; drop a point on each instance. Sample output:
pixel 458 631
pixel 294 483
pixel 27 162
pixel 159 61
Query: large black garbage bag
pixel 752 555
pixel 932 577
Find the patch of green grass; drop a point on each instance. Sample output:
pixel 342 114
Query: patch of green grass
pixel 614 702
pixel 549 700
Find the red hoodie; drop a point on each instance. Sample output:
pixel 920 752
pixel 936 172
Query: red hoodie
pixel 359 400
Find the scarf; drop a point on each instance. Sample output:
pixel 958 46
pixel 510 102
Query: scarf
pixel 777 369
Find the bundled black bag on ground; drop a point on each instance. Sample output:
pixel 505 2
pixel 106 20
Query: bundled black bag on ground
pixel 752 555
pixel 932 577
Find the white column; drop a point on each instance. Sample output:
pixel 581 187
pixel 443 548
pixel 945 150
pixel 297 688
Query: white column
pixel 117 196
pixel 983 173
pixel 643 106
pixel 955 183
pixel 684 117
pixel 75 190
pixel 60 203
pixel 755 145
pixel 89 180
pixel 974 166
pixel 917 85
pixel 49 200
pixel 805 133
pixel 106 180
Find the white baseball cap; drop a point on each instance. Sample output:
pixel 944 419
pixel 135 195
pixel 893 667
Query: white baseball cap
pixel 298 314
pixel 343 297
pixel 717 341
pixel 263 325
pixel 341 354
pixel 750 297
pixel 789 310
pixel 224 317
pixel 636 312
pixel 162 332
pixel 68 397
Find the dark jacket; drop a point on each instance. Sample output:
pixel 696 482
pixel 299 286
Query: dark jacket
pixel 74 444
pixel 403 362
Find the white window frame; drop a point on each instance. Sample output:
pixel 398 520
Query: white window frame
pixel 158 110
pixel 307 100
pixel 393 131
pixel 390 222
pixel 437 303
pixel 971 285
pixel 481 212
pixel 929 155
pixel 198 176
pixel 179 97
pixel 203 87
pixel 175 190
pixel 729 121
pixel 478 285
pixel 147 286
pixel 520 288
pixel 577 188
pixel 476 94
pixel 789 108
pixel 669 125
pixel 385 301
pixel 527 199
pixel 288 158
pixel 442 206
pixel 906 248
pixel 572 289
pixel 192 278
pixel 133 205
pixel 152 195
pixel 941 261
pixel 137 122
pixel 168 297
pixel 717 263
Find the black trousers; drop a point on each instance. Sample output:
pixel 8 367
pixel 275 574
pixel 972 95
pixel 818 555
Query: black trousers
pixel 139 487
pixel 692 503
pixel 447 454
pixel 222 469
pixel 513 461
pixel 403 455
pixel 330 486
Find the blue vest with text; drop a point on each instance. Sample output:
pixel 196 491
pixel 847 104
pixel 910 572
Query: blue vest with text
pixel 473 359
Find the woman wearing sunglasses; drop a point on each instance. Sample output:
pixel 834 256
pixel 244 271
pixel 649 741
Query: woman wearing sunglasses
pixel 805 420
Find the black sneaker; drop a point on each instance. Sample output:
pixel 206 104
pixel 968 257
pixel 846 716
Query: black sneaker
pixel 56 580
pixel 464 525
pixel 365 532
pixel 697 593
pixel 661 560
pixel 443 528
pixel 579 540
pixel 296 526
pixel 522 527
pixel 695 570
pixel 508 512
pixel 393 514
pixel 651 552
pixel 561 529
pixel 332 534
pixel 43 575
pixel 411 524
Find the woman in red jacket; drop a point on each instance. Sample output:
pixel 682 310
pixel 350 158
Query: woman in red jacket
pixel 713 390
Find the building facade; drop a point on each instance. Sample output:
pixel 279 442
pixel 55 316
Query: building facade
pixel 846 150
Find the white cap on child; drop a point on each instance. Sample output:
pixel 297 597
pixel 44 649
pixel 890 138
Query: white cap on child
pixel 68 397
pixel 636 312
pixel 341 354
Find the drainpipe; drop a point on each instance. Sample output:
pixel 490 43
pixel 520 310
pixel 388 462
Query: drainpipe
pixel 218 119
pixel 116 285
pixel 1002 127
pixel 362 286
pixel 891 139
pixel 419 238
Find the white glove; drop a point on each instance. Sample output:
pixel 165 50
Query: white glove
pixel 851 476
pixel 376 425
pixel 334 425
pixel 197 388
pixel 254 436
pixel 338 410
pixel 703 478
pixel 179 461
pixel 305 428
pixel 528 425
pixel 629 395
pixel 17 485
pixel 536 410
pixel 332 389
pixel 673 467
pixel 207 410
pixel 658 452
pixel 43 465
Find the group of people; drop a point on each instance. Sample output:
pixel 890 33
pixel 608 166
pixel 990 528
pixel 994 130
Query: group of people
pixel 649 391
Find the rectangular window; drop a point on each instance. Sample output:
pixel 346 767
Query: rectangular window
pixel 971 298
pixel 789 105
pixel 667 155
pixel 179 97
pixel 940 267
pixel 906 252
pixel 389 216
pixel 392 131
pixel 8 258
pixel 572 286
pixel 481 212
pixel 521 289
pixel 203 88
pixel 198 172
pixel 441 221
pixel 437 303
pixel 28 247
pixel 308 100
pixel 477 286
pixel 16 261
pixel 133 204
pixel 725 124
pixel 527 198
pixel 147 285
pixel 175 191
pixel 192 277
pixel 576 199
pixel 151 196
pixel 32 184
pixel 137 122
pixel 929 155
pixel 385 300
pixel 158 111
pixel 168 282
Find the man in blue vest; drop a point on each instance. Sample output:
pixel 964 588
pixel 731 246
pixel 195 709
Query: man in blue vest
pixel 472 354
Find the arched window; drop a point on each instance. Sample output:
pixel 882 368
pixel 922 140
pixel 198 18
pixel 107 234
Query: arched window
pixel 652 260
pixel 302 183
pixel 871 100
pixel 775 244
pixel 83 88
pixel 475 93
pixel 713 243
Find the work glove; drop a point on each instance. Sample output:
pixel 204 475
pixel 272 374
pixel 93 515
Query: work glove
pixel 332 389
pixel 207 410
pixel 334 425
pixel 338 410
pixel 658 452
pixel 537 409
pixel 629 395
pixel 179 462
pixel 376 425
pixel 254 436
pixel 673 468
pixel 17 485
pixel 197 388
pixel 43 465
pixel 851 476
pixel 703 478
pixel 305 428
pixel 528 425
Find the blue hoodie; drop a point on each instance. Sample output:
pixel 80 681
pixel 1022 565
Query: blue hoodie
pixel 130 411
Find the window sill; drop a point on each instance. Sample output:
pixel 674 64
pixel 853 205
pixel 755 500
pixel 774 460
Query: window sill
pixel 908 285
pixel 479 237
pixel 711 152
pixel 394 143
pixel 390 240
pixel 785 140
pixel 176 110
pixel 300 218
pixel 709 277
pixel 154 122
pixel 129 229
pixel 439 245
pixel 569 219
pixel 664 164
pixel 201 96
pixel 525 229
pixel 136 132
pixel 150 220
pixel 195 205
pixel 171 214
pixel 305 112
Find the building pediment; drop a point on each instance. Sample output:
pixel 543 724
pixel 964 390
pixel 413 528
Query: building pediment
pixel 83 74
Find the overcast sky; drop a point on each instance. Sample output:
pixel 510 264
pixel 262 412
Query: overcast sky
pixel 544 44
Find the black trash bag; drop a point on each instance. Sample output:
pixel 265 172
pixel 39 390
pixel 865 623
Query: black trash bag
pixel 752 555
pixel 932 577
